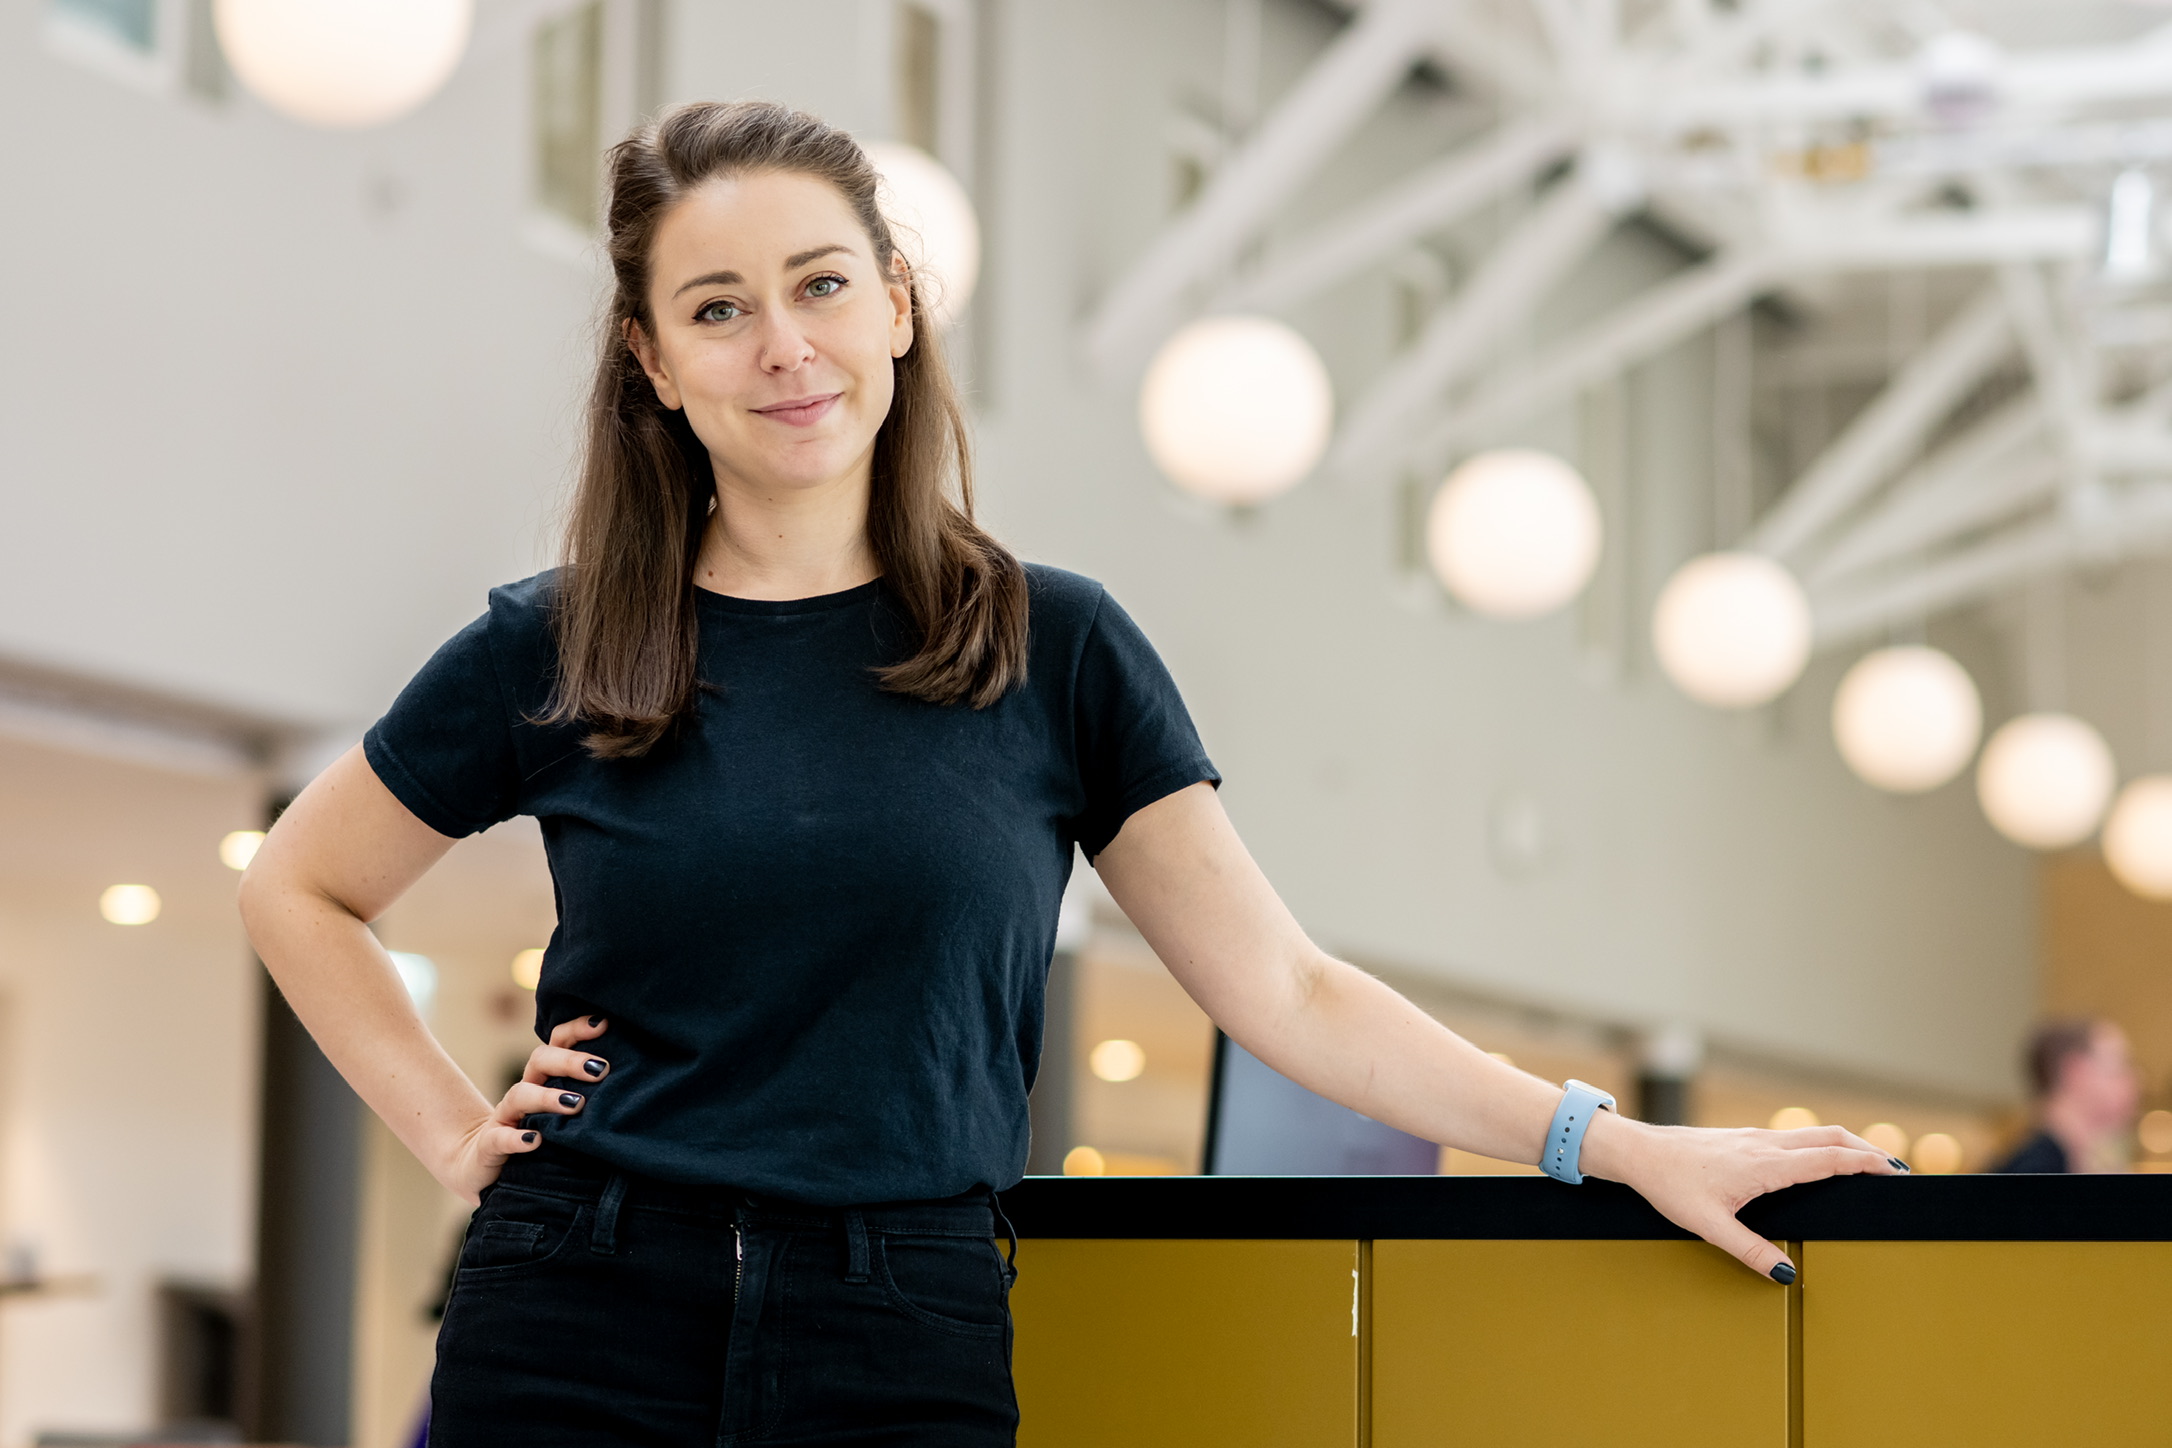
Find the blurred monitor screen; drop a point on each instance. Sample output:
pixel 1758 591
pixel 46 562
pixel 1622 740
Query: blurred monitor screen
pixel 1261 1123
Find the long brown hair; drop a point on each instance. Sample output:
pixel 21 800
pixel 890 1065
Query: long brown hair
pixel 624 615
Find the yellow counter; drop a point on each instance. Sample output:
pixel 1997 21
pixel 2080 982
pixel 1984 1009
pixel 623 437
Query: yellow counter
pixel 1398 1312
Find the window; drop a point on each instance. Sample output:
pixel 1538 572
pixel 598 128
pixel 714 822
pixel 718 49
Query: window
pixel 568 102
pixel 131 24
pixel 165 46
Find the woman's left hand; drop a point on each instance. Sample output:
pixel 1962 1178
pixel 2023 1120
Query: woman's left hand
pixel 1698 1177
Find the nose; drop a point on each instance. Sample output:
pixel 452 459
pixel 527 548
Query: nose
pixel 784 347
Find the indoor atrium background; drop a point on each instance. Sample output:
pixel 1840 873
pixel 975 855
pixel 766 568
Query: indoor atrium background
pixel 1658 508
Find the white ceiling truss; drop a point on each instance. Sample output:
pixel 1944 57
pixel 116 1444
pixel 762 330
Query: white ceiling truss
pixel 1799 141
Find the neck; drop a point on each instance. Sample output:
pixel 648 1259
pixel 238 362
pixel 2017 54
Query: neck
pixel 2088 1146
pixel 787 542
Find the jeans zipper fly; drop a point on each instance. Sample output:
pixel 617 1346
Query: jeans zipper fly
pixel 739 1260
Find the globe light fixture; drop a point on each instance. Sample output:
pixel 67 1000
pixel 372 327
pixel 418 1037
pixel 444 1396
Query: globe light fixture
pixel 239 847
pixel 1117 1060
pixel 2044 780
pixel 1936 1153
pixel 1907 719
pixel 2138 837
pixel 1732 629
pixel 129 904
pixel 935 225
pixel 528 968
pixel 343 63
pixel 1514 534
pixel 1236 409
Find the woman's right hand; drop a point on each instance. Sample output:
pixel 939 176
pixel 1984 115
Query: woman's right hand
pixel 483 1151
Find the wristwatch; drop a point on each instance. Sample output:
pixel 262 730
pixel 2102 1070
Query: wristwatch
pixel 1565 1137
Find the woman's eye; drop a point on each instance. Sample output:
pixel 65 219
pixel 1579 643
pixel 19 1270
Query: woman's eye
pixel 717 312
pixel 825 286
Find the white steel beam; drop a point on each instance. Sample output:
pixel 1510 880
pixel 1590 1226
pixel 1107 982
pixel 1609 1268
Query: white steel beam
pixel 1523 266
pixel 1344 85
pixel 2051 364
pixel 1651 322
pixel 1438 196
pixel 2032 83
pixel 2139 521
pixel 2021 234
pixel 1991 470
pixel 1893 425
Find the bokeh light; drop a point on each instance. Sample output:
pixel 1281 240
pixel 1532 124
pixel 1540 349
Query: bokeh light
pixel 129 904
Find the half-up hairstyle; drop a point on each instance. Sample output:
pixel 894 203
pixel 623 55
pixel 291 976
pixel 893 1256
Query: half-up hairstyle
pixel 624 617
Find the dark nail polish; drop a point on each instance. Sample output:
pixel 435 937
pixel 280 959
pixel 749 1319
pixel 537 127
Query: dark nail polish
pixel 594 1065
pixel 528 1136
pixel 595 1020
pixel 1784 1274
pixel 568 1099
pixel 1897 1163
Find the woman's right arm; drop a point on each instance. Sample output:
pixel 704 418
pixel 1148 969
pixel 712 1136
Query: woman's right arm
pixel 339 856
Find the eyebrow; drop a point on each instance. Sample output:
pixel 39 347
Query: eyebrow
pixel 791 263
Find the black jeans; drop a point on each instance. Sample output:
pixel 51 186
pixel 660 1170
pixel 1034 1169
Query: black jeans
pixel 599 1308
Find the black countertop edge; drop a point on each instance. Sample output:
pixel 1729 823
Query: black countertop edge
pixel 1863 1209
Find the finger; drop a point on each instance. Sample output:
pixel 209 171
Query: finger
pixel 1817 1163
pixel 577 1030
pixel 545 1062
pixel 1857 1143
pixel 528 1099
pixel 500 1141
pixel 1751 1250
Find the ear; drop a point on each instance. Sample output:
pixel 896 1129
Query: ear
pixel 901 306
pixel 643 347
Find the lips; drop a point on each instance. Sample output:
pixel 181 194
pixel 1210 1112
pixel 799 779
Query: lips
pixel 801 411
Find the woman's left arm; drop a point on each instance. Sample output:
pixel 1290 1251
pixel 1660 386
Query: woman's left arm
pixel 1179 871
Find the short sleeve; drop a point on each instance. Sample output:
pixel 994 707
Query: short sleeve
pixel 1136 742
pixel 445 748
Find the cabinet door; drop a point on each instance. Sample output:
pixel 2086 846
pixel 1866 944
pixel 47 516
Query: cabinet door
pixel 1986 1343
pixel 1165 1344
pixel 1623 1344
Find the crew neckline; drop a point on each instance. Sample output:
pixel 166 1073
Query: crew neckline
pixel 774 607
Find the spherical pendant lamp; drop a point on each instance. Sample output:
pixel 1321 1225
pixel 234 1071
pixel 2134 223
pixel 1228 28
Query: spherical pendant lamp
pixel 1907 719
pixel 936 225
pixel 1732 629
pixel 2044 780
pixel 1514 533
pixel 1236 409
pixel 2138 837
pixel 343 63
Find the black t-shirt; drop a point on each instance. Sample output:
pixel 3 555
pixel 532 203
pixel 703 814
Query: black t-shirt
pixel 820 915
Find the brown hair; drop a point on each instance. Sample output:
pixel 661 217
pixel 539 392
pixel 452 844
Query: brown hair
pixel 624 615
pixel 2053 1044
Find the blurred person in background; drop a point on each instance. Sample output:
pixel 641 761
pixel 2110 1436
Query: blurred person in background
pixel 2087 1094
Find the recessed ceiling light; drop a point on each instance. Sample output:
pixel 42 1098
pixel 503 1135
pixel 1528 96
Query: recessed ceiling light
pixel 129 904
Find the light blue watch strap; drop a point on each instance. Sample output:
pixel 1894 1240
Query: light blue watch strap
pixel 1565 1137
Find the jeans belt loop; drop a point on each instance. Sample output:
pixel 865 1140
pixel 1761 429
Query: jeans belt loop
pixel 604 1239
pixel 855 1246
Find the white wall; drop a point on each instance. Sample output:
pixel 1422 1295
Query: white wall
pixel 272 445
pixel 127 1126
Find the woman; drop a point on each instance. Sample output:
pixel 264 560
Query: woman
pixel 811 753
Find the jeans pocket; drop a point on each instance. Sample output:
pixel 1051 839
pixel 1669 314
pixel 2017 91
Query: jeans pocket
pixel 953 1283
pixel 516 1229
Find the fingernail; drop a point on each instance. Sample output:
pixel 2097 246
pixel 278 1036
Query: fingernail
pixel 528 1136
pixel 1897 1164
pixel 596 1066
pixel 595 1020
pixel 568 1098
pixel 1784 1274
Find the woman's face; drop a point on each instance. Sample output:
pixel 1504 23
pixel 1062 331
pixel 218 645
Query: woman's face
pixel 775 329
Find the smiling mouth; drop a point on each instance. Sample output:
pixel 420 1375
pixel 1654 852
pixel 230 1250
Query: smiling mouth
pixel 801 411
